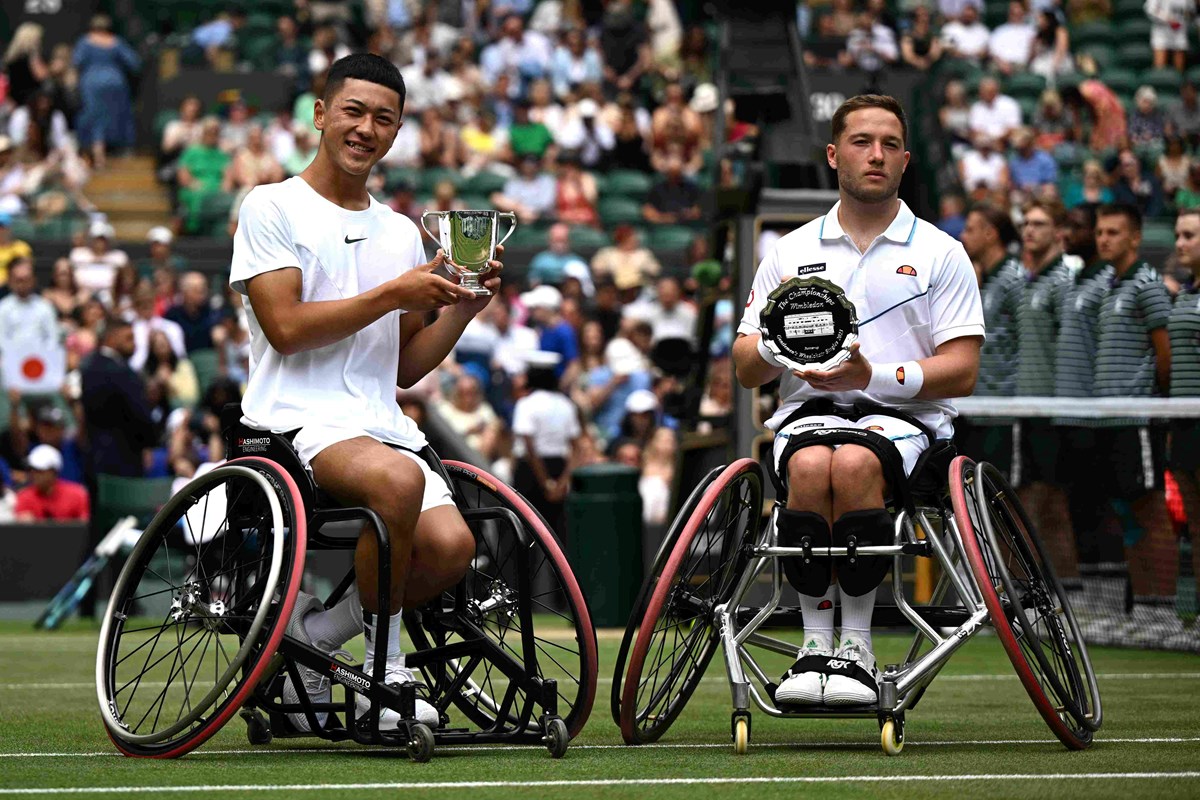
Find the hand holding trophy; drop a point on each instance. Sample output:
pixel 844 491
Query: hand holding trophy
pixel 469 241
pixel 809 324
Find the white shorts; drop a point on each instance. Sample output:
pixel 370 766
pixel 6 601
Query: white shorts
pixel 1163 38
pixel 908 439
pixel 312 439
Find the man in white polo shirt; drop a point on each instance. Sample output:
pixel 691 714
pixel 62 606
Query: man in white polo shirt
pixel 920 329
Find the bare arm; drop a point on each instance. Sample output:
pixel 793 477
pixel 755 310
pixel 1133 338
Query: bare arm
pixel 1162 359
pixel 749 366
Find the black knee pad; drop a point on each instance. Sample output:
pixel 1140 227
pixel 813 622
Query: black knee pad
pixel 795 529
pixel 872 527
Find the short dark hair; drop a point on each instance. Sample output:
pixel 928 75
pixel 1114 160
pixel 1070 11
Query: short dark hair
pixel 1053 208
pixel 364 67
pixel 1187 212
pixel 112 324
pixel 861 101
pixel 1000 221
pixel 1126 210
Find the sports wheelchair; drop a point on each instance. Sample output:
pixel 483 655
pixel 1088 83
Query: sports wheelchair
pixel 195 628
pixel 994 571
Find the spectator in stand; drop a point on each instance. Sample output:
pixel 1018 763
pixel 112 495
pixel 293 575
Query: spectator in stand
pixel 1033 171
pixel 670 315
pixel 403 200
pixel 116 411
pixel 169 374
pixel 11 248
pixel 217 35
pixel 484 145
pixel 1189 195
pixel 587 135
pixel 195 314
pixel 25 314
pixel 1052 121
pixel 551 265
pixel 63 292
pixel 179 134
pixel 606 306
pixel 1134 186
pixel 1092 191
pixel 1169 23
pixel 513 341
pixel 45 424
pixel 1010 46
pixel 575 192
pixel 842 17
pixel 695 62
pixel 1173 166
pixel 542 107
pixel 625 370
pixel 983 170
pixel 994 115
pixel 953 217
pixel 119 299
pixel 825 44
pixel 1146 124
pixel 1183 117
pixel 631 133
pixel 555 335
pixel 966 37
pixel 23 64
pixel 146 321
pixel 201 172
pixel 107 65
pixel 529 138
pixel 547 423
pixel 520 54
pixel 97 262
pixel 675 199
pixel 642 410
pixel 625 46
pixel 439 144
pixel 252 165
pixel 14 179
pixel 629 264
pixel 425 87
pixel 326 49
pixel 472 418
pixel 530 194
pixel 920 46
pixel 1050 55
pixel 955 116
pixel 160 239
pixel 49 498
pixel 658 473
pixel 1105 109
pixel 290 55
pixel 576 62
pixel 1080 12
pixel 235 130
pixel 675 123
pixel 304 150
pixel 871 45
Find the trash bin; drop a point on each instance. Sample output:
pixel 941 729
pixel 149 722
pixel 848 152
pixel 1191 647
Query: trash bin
pixel 604 541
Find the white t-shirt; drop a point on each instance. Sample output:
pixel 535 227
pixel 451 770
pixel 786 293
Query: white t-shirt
pixel 678 323
pixel 997 119
pixel 142 328
pixel 96 273
pixel 512 346
pixel 971 41
pixel 349 384
pixel 903 314
pixel 1012 42
pixel 550 418
pixel 31 319
pixel 978 168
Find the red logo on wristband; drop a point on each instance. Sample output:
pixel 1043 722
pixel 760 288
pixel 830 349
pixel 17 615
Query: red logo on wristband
pixel 900 375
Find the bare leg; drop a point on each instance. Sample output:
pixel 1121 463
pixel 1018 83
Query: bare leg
pixel 442 551
pixel 857 480
pixel 1154 560
pixel 808 481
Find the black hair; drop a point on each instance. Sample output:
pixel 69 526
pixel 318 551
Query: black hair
pixel 364 67
pixel 1127 210
pixel 538 377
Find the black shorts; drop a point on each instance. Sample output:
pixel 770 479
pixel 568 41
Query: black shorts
pixel 985 442
pixel 1184 451
pixel 1129 462
pixel 1041 451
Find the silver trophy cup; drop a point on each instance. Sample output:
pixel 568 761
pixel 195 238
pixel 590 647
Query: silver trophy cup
pixel 469 240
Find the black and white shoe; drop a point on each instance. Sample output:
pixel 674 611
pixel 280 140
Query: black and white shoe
pixel 852 678
pixel 804 683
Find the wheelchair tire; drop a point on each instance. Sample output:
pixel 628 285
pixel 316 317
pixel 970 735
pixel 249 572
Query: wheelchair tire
pixel 639 604
pixel 220 566
pixel 725 519
pixel 564 639
pixel 1026 602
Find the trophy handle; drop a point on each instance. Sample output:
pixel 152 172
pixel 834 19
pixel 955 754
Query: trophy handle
pixel 512 218
pixel 428 233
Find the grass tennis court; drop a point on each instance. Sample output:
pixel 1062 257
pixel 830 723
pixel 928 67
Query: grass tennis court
pixel 975 721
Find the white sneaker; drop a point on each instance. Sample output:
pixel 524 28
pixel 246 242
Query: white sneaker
pixel 389 719
pixel 315 684
pixel 842 690
pixel 803 688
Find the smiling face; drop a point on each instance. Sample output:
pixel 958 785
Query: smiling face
pixel 869 155
pixel 359 123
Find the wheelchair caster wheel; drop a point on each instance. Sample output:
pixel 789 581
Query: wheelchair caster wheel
pixel 258 730
pixel 557 738
pixel 892 737
pixel 420 743
pixel 741 736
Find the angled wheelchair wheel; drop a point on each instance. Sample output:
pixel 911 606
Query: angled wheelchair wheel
pixel 1027 604
pixel 199 608
pixel 675 637
pixel 643 596
pixel 563 641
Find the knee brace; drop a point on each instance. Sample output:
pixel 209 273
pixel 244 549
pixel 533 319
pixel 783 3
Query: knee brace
pixel 813 575
pixel 860 574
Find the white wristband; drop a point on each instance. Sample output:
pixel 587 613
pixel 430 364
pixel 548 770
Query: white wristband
pixel 899 381
pixel 767 355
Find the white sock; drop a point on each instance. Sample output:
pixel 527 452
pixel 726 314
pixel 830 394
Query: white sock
pixel 856 619
pixel 818 618
pixel 332 628
pixel 395 658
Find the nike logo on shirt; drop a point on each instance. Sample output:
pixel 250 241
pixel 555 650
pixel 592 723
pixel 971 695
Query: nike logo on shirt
pixel 352 241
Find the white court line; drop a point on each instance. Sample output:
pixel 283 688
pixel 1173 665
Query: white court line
pixel 1104 676
pixel 659 746
pixel 307 787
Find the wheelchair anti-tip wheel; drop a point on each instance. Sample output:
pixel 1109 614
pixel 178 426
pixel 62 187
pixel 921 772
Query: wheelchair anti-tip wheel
pixel 1027 605
pixel 675 637
pixel 564 641
pixel 199 608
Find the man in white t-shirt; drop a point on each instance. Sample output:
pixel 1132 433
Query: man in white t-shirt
pixel 920 328
pixel 97 262
pixel 993 114
pixel 1011 44
pixel 967 37
pixel 331 275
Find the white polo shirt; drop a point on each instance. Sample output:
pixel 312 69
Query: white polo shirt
pixel 913 289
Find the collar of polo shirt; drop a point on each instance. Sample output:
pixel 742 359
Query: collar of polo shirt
pixel 900 231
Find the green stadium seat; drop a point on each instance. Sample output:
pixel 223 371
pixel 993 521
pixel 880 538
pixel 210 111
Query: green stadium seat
pixel 1129 10
pixel 397 175
pixel 205 363
pixel 215 208
pixel 259 50
pixel 1193 75
pixel 1094 33
pixel 670 237
pixel 628 182
pixel 1121 81
pixel 1029 107
pixel 483 183
pixel 1135 56
pixel 528 236
pixel 117 497
pixel 1158 234
pixel 432 177
pixel 1103 55
pixel 1025 84
pixel 1164 81
pixel 475 201
pixel 617 210
pixel 1136 30
pixel 1069 156
pixel 585 238
pixel 1068 80
pixel 258 23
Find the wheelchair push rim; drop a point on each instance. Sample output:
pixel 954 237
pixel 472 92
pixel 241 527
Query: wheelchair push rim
pixel 735 494
pixel 242 594
pixel 564 602
pixel 998 539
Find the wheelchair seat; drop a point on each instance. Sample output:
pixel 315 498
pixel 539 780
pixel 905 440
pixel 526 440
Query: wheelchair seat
pixel 928 480
pixel 242 440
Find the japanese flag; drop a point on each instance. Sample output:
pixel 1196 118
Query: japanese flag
pixel 34 367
